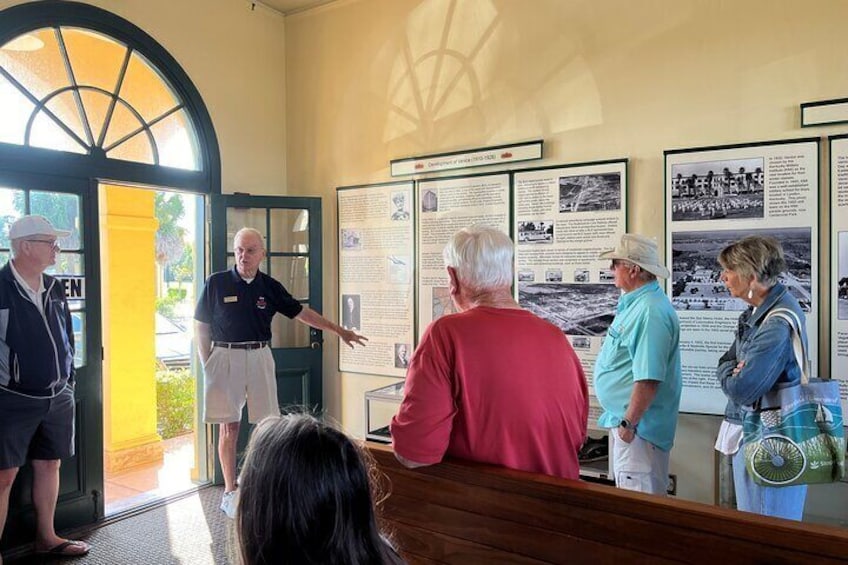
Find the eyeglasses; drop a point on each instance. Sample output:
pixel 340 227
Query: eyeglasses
pixel 52 243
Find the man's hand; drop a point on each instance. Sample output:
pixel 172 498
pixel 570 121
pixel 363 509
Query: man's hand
pixel 738 368
pixel 350 337
pixel 626 435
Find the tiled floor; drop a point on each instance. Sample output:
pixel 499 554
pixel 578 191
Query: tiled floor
pixel 142 485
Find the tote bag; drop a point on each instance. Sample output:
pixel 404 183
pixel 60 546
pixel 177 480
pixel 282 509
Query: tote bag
pixel 794 435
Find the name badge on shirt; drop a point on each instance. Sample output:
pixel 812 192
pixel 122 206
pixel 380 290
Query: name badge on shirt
pixel 228 299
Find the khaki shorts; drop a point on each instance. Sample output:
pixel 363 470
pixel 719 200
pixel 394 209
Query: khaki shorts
pixel 234 376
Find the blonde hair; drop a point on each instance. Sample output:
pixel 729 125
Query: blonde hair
pixel 755 255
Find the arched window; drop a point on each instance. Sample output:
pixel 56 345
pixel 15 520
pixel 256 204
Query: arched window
pixel 86 93
pixel 77 90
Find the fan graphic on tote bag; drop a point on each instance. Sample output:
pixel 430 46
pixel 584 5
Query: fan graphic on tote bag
pixel 777 459
pixel 795 435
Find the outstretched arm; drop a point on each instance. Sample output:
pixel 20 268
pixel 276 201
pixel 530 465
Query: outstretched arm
pixel 312 318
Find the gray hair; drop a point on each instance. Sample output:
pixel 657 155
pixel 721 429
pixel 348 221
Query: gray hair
pixel 16 247
pixel 755 255
pixel 644 276
pixel 482 257
pixel 249 231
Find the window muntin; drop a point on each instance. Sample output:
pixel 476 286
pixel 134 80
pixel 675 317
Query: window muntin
pixel 76 90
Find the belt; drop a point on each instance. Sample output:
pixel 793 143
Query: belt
pixel 241 344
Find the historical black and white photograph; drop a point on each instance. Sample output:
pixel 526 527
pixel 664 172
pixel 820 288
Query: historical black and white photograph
pixel 399 269
pixel 351 319
pixel 526 276
pixel 842 276
pixel 696 273
pixel 402 353
pixel 536 231
pixel 712 190
pixel 577 309
pixel 429 200
pixel 553 275
pixel 590 193
pixel 581 275
pixel 580 342
pixel 400 208
pixel 351 239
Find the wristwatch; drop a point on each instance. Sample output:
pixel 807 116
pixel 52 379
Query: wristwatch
pixel 626 425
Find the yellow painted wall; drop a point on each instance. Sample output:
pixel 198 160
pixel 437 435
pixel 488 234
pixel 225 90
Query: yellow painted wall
pixel 128 229
pixel 373 80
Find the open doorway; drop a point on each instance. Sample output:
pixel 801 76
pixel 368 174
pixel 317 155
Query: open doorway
pixel 152 264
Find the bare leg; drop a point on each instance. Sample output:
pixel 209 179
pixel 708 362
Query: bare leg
pixel 45 492
pixel 227 453
pixel 7 478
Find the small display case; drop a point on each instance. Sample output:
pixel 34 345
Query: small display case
pixel 380 405
pixel 594 457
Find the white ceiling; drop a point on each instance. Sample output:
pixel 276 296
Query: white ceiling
pixel 291 6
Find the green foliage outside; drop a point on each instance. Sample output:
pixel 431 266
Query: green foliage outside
pixel 166 304
pixel 175 393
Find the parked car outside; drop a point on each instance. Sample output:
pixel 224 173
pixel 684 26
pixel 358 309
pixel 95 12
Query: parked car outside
pixel 173 344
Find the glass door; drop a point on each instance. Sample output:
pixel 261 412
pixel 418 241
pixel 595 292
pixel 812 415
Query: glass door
pixel 69 204
pixel 291 227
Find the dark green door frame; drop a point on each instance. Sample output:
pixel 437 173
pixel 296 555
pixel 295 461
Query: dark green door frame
pixel 81 501
pixel 298 369
pixel 81 492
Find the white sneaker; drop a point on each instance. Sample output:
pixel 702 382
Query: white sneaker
pixel 229 503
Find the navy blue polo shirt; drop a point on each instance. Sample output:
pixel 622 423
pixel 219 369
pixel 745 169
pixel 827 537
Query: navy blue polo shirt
pixel 238 311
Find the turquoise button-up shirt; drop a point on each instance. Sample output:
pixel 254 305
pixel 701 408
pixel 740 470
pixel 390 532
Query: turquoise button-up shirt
pixel 643 343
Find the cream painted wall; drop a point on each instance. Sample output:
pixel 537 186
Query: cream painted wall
pixel 236 58
pixel 373 80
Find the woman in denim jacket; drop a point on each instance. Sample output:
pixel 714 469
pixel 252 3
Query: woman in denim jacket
pixel 760 358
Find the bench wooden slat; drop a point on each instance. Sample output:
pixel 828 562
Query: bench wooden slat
pixel 448 549
pixel 538 517
pixel 509 538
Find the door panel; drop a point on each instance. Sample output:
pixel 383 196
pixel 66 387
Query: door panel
pixel 292 231
pixel 69 204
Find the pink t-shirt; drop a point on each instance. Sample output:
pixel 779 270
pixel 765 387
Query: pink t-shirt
pixel 495 385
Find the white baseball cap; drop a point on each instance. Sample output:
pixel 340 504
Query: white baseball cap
pixel 641 250
pixel 34 225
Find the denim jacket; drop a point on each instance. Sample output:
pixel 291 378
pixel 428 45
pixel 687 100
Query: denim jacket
pixel 767 351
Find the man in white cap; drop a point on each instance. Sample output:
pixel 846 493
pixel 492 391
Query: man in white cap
pixel 637 373
pixel 36 377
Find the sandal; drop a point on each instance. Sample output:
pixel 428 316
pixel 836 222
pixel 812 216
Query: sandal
pixel 68 548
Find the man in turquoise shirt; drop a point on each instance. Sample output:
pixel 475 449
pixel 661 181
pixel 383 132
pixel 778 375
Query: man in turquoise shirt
pixel 637 373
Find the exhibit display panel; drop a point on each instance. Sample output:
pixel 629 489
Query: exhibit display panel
pixel 377 276
pixel 565 217
pixel 446 205
pixel 839 264
pixel 714 197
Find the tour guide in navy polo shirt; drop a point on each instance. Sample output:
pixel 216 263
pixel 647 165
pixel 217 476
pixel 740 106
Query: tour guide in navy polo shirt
pixel 233 328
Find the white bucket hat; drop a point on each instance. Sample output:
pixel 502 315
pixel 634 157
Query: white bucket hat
pixel 34 225
pixel 639 250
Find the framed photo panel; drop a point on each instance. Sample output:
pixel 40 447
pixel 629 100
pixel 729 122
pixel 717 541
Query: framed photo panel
pixel 715 196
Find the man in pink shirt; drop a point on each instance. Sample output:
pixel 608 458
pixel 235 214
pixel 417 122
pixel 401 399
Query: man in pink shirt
pixel 493 383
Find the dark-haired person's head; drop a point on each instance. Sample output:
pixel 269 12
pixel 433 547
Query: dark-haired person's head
pixel 306 497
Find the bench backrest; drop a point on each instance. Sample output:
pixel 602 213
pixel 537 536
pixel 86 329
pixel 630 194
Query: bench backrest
pixel 464 512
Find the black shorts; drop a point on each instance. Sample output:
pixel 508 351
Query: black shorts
pixel 35 428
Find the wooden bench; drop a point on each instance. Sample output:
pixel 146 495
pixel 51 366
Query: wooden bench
pixel 464 512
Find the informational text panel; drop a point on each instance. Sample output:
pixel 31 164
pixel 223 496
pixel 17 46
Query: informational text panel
pixel 445 206
pixel 714 197
pixel 565 218
pixel 839 264
pixel 377 276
